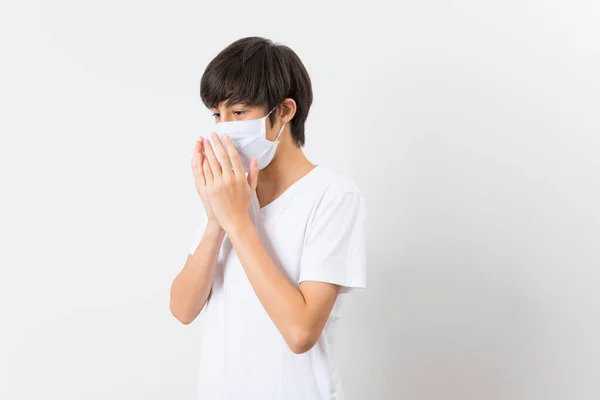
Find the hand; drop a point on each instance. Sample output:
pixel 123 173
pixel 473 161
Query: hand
pixel 199 180
pixel 229 190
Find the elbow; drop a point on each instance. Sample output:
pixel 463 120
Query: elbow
pixel 301 340
pixel 184 310
pixel 185 318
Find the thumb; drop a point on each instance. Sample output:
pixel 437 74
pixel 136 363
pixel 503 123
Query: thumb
pixel 253 174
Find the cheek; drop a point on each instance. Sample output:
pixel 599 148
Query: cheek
pixel 273 131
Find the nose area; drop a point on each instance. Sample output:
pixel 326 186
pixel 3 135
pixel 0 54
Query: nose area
pixel 226 116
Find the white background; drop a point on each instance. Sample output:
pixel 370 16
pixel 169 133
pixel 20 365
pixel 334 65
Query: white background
pixel 471 127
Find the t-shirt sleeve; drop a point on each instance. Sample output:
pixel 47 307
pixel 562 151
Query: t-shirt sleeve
pixel 334 247
pixel 199 233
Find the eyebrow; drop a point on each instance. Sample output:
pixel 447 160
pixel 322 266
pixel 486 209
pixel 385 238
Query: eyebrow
pixel 238 105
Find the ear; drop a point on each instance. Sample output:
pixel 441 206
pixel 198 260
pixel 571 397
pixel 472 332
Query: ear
pixel 287 110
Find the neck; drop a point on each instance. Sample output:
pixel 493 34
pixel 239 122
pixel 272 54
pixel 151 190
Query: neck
pixel 289 165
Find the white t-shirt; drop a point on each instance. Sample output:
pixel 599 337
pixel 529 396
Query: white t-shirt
pixel 314 231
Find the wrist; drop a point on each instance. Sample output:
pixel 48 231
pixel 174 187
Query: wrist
pixel 213 228
pixel 239 226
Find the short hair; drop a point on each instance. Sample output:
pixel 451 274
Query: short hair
pixel 257 72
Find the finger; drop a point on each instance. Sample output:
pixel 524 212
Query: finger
pixel 233 155
pixel 194 163
pixel 215 167
pixel 194 154
pixel 253 174
pixel 198 171
pixel 195 151
pixel 197 166
pixel 208 176
pixel 223 156
pixel 201 144
pixel 198 149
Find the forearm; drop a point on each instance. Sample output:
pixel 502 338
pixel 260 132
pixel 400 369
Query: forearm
pixel 191 287
pixel 284 303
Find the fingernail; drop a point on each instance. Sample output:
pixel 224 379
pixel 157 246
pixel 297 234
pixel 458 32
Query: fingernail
pixel 225 136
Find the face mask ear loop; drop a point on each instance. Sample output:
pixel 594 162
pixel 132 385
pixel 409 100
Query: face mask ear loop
pixel 279 134
pixel 269 113
pixel 283 126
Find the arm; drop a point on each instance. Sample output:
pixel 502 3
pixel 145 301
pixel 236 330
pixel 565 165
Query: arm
pixel 299 314
pixel 191 287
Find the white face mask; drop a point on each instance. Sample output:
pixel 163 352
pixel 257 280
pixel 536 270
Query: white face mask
pixel 250 139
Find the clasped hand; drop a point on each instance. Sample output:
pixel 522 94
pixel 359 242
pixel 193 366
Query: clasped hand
pixel 225 190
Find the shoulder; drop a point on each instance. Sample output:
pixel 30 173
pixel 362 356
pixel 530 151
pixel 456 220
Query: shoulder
pixel 334 192
pixel 334 184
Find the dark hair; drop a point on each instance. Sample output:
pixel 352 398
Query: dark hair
pixel 257 72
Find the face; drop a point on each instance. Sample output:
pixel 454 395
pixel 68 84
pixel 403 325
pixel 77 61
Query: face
pixel 242 112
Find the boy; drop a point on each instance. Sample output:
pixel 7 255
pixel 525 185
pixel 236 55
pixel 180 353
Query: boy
pixel 275 247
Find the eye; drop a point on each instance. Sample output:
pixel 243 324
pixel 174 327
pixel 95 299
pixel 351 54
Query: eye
pixel 216 115
pixel 239 113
